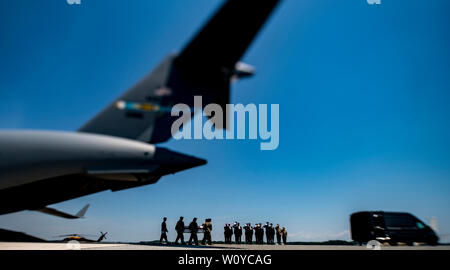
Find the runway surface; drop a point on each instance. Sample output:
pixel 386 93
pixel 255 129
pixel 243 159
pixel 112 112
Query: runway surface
pixel 119 246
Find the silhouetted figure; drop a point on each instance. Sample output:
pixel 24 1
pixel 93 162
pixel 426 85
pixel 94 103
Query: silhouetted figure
pixel 164 231
pixel 259 233
pixel 193 227
pixel 227 232
pixel 285 233
pixel 256 231
pixel 207 228
pixel 271 234
pixel 180 230
pixel 266 227
pixel 237 232
pixel 279 233
pixel 248 233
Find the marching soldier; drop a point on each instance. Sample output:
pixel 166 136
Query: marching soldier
pixel 279 233
pixel 237 232
pixel 180 230
pixel 207 228
pixel 193 227
pixel 164 231
pixel 248 233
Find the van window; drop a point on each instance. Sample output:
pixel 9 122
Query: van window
pixel 420 225
pixel 400 221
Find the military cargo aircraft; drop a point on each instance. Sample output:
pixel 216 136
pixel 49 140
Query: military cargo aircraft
pixel 116 149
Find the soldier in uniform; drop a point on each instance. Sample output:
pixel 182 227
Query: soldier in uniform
pixel 259 233
pixel 266 227
pixel 272 234
pixel 164 231
pixel 279 233
pixel 256 229
pixel 237 232
pixel 225 233
pixel 207 228
pixel 180 230
pixel 284 235
pixel 248 233
pixel 193 227
pixel 228 232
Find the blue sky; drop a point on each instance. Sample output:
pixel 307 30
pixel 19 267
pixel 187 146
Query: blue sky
pixel 364 116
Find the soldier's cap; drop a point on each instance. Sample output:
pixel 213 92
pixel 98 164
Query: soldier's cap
pixel 208 220
pixel 181 217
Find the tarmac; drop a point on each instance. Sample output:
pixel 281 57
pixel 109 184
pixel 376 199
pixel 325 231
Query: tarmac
pixel 124 246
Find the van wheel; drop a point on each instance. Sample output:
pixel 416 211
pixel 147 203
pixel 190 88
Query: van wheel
pixel 432 243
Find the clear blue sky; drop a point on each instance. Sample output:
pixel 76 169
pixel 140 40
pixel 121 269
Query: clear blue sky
pixel 364 98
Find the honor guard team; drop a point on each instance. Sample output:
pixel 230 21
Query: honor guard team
pixel 248 230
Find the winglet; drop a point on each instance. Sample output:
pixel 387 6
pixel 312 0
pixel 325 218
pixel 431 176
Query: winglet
pixel 83 211
pixel 55 212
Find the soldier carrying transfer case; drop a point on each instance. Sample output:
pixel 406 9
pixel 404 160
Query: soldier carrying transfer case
pixel 207 228
pixel 164 231
pixel 193 227
pixel 180 230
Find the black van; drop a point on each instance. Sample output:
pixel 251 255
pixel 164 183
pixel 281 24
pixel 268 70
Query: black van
pixel 390 227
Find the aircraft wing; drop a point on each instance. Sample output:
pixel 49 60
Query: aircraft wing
pixel 204 67
pixel 55 212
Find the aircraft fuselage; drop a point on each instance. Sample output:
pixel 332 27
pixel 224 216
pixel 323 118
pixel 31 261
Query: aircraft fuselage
pixel 71 164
